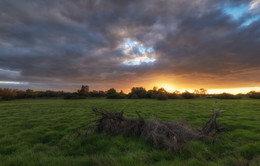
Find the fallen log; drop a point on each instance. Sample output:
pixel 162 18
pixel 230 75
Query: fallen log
pixel 164 135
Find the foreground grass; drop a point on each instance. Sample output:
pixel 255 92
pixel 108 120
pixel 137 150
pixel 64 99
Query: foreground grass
pixel 40 132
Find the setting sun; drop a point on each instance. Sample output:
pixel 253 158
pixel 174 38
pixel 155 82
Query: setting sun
pixel 167 87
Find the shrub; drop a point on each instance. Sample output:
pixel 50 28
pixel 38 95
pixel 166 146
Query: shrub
pixel 95 93
pixel 133 96
pixel 73 96
pixel 173 96
pixel 149 94
pixel 162 96
pixel 84 91
pixel 112 94
pixel 227 96
pixel 188 95
pixel 8 94
pixel 140 92
pixel 254 95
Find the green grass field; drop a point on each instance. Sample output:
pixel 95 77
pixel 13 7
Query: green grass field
pixel 40 132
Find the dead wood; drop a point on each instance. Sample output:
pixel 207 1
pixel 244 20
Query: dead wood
pixel 164 135
pixel 212 125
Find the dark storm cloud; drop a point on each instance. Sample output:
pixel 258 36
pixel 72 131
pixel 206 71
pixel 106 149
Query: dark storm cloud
pixel 78 41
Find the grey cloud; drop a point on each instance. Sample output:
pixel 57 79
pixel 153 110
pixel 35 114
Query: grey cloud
pixel 77 41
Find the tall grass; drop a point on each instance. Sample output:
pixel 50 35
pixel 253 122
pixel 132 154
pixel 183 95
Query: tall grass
pixel 41 132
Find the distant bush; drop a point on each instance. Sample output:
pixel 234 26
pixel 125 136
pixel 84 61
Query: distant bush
pixel 137 92
pixel 7 94
pixel 50 93
pixel 162 96
pixel 188 95
pixel 95 93
pixel 227 96
pixel 149 94
pixel 173 95
pixel 29 93
pixel 73 96
pixel 133 96
pixel 84 91
pixel 112 94
pixel 21 94
pixel 254 95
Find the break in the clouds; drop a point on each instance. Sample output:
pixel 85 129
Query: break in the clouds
pixel 61 44
pixel 135 53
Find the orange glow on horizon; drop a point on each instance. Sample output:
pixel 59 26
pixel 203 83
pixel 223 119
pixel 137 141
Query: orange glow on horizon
pixel 167 87
pixel 170 88
pixel 234 90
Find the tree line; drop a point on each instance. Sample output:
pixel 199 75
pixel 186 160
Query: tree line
pixel 136 93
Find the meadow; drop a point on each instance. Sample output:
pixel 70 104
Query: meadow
pixel 42 132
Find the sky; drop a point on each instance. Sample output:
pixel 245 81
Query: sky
pixel 175 44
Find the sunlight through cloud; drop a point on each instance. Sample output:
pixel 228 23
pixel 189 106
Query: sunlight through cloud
pixel 13 82
pixel 5 71
pixel 135 53
pixel 255 5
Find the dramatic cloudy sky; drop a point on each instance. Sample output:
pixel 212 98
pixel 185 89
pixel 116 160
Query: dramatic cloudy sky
pixel 61 44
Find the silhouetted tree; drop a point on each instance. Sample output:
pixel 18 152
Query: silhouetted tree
pixel 101 93
pixel 162 96
pixel 188 95
pixel 173 95
pixel 122 93
pixel 227 96
pixel 203 91
pixel 20 94
pixel 254 94
pixel 177 92
pixel 95 93
pixel 29 93
pixel 84 91
pixel 7 94
pixel 140 92
pixel 112 94
pixel 74 95
pixel 50 93
pixel 149 94
pixel 162 90
pixel 199 93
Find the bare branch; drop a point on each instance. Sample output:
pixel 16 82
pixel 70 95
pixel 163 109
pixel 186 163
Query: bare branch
pixel 140 117
pixel 163 135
